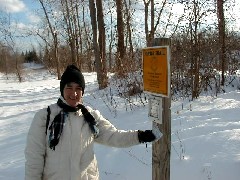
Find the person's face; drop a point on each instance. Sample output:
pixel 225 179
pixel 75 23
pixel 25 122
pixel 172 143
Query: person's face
pixel 72 94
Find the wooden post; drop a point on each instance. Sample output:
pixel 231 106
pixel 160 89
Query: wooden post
pixel 161 149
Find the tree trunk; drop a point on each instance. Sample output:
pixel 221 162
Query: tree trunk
pixel 221 32
pixel 129 28
pixel 120 35
pixel 195 51
pixel 98 63
pixel 102 43
pixel 154 24
pixel 69 16
pixel 54 36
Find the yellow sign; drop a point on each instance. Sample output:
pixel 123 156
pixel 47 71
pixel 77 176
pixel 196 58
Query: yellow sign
pixel 156 76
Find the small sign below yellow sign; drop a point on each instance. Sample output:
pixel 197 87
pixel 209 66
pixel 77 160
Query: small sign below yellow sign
pixel 156 70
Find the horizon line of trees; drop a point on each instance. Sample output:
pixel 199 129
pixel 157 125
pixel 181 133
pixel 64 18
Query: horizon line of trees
pixel 106 36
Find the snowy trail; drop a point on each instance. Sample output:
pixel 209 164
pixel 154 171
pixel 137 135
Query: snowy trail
pixel 207 138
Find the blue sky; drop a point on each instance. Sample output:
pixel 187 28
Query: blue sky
pixel 22 11
pixel 23 16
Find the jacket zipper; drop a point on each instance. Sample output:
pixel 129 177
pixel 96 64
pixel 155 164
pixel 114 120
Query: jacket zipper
pixel 70 159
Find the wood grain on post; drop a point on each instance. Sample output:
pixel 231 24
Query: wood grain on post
pixel 161 149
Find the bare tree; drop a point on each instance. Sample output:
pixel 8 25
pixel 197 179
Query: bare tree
pixel 12 60
pixel 129 28
pixel 71 18
pixel 120 35
pixel 111 39
pixel 153 24
pixel 102 41
pixel 101 76
pixel 54 33
pixel 221 31
pixel 197 11
pixel 195 54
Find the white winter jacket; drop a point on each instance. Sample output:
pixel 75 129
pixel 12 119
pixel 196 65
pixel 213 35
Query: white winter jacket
pixel 73 158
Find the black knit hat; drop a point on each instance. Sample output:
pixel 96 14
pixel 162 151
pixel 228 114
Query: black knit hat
pixel 72 74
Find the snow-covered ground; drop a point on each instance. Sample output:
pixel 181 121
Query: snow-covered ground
pixel 205 132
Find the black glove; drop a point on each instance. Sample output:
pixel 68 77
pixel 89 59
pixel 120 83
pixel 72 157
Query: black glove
pixel 146 136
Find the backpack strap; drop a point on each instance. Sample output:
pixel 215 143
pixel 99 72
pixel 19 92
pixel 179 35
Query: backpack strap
pixel 48 119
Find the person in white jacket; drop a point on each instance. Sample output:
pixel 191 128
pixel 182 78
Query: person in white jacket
pixel 61 137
